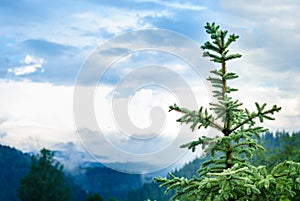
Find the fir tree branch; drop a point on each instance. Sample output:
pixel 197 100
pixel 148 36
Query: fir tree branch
pixel 284 175
pixel 195 118
pixel 253 116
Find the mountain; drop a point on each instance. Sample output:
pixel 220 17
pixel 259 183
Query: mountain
pixel 14 165
pixel 91 177
pixel 108 183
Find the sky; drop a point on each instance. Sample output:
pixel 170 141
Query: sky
pixel 49 91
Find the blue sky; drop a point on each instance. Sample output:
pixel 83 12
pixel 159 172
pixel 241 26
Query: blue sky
pixel 43 45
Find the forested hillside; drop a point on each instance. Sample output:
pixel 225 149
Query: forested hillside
pixel 14 165
pixel 108 183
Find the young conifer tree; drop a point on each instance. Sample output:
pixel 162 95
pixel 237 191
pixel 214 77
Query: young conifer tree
pixel 228 174
pixel 45 180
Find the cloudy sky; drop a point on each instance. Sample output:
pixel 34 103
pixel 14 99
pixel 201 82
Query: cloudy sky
pixel 45 45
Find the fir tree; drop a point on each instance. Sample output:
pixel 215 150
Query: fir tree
pixel 45 180
pixel 228 174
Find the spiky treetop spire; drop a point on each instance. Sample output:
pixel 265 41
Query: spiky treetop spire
pixel 228 174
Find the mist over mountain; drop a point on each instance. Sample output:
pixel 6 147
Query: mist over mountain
pixel 88 177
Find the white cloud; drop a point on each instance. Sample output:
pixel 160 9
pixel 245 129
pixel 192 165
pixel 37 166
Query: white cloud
pixel 30 64
pixel 35 113
pixel 41 114
pixel 177 5
pixel 24 70
pixel 91 28
pixel 187 6
pixel 179 68
pixel 114 21
pixel 275 28
pixel 140 105
pixel 31 59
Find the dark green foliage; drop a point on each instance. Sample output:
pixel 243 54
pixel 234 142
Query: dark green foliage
pixel 95 197
pixel 107 182
pixel 228 173
pixel 280 147
pixel 45 180
pixel 149 190
pixel 14 165
pixel 78 194
pixel 98 197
